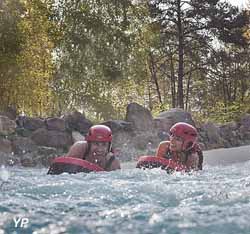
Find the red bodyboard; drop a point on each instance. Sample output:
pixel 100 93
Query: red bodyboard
pixel 72 165
pixel 157 162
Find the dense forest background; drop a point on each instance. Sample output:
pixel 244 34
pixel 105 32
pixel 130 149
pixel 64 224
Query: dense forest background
pixel 100 55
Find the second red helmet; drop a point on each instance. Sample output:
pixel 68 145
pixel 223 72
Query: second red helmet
pixel 99 133
pixel 187 132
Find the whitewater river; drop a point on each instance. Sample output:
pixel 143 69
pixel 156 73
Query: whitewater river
pixel 216 200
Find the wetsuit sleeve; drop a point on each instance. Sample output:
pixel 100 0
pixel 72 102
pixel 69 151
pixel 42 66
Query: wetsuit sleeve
pixel 162 149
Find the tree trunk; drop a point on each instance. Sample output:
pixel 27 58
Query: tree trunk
pixel 173 90
pixel 188 88
pixel 180 102
pixel 154 76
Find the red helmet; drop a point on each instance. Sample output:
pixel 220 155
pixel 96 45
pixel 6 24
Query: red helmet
pixel 99 133
pixel 187 132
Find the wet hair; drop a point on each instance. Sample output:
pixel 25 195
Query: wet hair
pixel 198 151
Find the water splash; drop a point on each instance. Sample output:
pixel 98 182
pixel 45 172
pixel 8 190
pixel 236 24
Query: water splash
pixel 216 200
pixel 4 175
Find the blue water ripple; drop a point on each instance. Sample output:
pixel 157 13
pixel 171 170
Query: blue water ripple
pixel 216 200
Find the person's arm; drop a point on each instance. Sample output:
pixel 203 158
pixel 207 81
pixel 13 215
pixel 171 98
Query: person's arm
pixel 77 150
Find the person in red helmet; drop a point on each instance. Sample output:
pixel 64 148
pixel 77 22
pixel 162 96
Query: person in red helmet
pixel 182 146
pixel 96 148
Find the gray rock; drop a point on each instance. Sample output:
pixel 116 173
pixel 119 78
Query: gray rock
pixel 121 138
pixel 76 121
pixel 9 112
pixel 33 123
pixel 44 137
pixel 43 150
pixel 46 155
pixel 119 125
pixel 228 133
pixel 23 132
pixel 147 142
pixel 165 120
pixel 5 146
pixel 140 117
pixel 214 139
pixel 22 145
pixel 56 124
pixel 7 126
pixel 245 122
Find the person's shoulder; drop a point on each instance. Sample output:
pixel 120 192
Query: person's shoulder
pixel 78 149
pixel 164 143
pixel 162 148
pixel 80 143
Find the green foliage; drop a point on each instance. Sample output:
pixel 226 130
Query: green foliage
pixel 100 49
pixel 220 113
pixel 35 60
pixel 27 63
pixel 98 56
pixel 10 41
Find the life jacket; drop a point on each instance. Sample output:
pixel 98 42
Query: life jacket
pixel 165 152
pixel 107 164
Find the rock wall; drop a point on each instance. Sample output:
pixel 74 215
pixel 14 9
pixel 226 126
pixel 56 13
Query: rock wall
pixel 35 141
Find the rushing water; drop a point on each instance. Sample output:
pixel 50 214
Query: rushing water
pixel 216 200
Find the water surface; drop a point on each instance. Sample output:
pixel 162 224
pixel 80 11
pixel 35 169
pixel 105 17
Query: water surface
pixel 216 200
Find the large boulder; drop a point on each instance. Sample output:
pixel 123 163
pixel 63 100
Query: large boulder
pixel 148 142
pixel 229 134
pixel 46 155
pixel 7 126
pixel 56 124
pixel 43 156
pixel 10 112
pixel 122 132
pixel 44 137
pixel 22 145
pixel 119 125
pixel 120 139
pixel 212 136
pixel 165 120
pixel 140 117
pixel 5 146
pixel 76 121
pixel 29 123
pixel 244 129
pixel 245 122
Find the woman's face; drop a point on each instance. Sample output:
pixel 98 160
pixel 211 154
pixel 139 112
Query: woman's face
pixel 176 143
